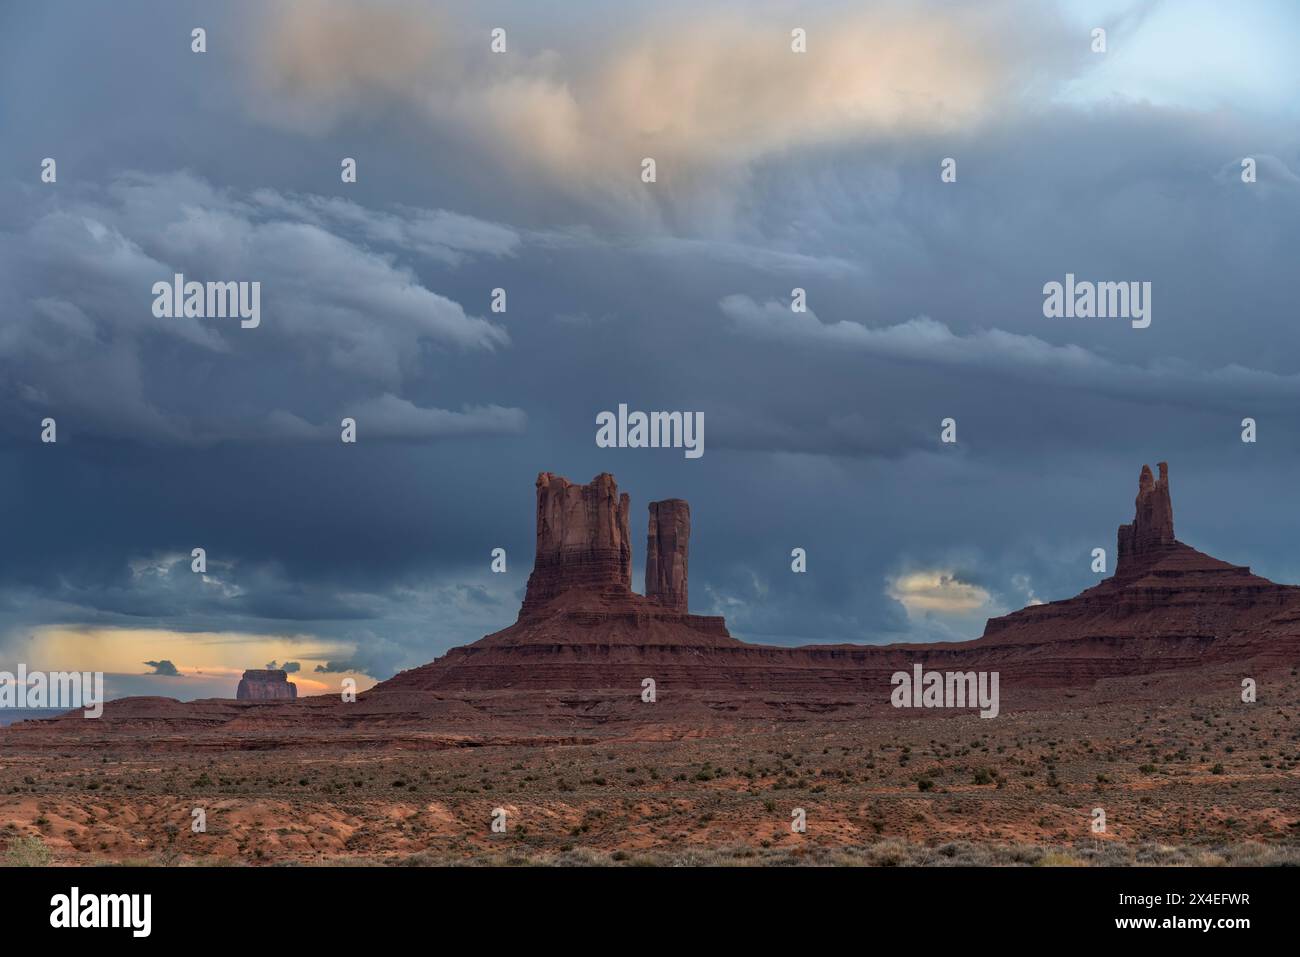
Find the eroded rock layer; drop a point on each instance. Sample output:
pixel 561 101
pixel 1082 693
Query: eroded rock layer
pixel 1152 529
pixel 1168 606
pixel 581 625
pixel 575 662
pixel 582 540
pixel 666 553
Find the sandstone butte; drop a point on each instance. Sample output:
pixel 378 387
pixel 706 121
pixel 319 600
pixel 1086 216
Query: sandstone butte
pixel 575 658
pixel 1167 606
pixel 266 684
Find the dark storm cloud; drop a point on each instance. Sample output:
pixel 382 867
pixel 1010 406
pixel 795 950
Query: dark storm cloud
pixel 822 429
pixel 163 667
pixel 78 288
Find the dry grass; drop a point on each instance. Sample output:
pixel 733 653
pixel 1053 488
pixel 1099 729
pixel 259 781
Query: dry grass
pixel 1188 779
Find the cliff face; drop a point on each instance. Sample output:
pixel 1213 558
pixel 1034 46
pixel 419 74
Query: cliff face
pixel 1152 530
pixel 582 540
pixel 1166 601
pixel 261 684
pixel 666 553
pixel 581 624
pixel 1167 606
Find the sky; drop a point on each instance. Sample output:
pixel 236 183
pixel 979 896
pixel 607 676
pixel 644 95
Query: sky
pixel 523 171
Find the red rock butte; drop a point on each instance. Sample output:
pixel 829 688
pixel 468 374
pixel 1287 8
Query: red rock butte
pixel 582 627
pixel 266 684
pixel 584 642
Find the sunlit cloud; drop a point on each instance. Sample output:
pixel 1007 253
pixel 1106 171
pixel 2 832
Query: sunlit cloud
pixel 937 591
pixel 725 90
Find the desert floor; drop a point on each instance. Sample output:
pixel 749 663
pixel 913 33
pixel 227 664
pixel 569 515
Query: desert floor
pixel 1200 778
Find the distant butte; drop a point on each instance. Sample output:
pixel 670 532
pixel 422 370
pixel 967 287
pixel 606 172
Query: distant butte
pixel 266 684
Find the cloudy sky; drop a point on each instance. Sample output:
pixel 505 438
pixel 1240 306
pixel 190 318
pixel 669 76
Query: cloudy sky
pixel 523 171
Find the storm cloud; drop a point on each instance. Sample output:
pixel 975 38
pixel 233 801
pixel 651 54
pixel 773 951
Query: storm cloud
pixel 521 173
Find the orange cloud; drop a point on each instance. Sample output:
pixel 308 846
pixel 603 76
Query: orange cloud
pixel 204 655
pixel 722 89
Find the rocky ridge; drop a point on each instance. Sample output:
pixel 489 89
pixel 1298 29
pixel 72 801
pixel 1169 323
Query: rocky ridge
pixel 1167 606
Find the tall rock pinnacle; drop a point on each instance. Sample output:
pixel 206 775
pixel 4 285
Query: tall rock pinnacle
pixel 666 553
pixel 582 539
pixel 1152 528
pixel 1167 607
